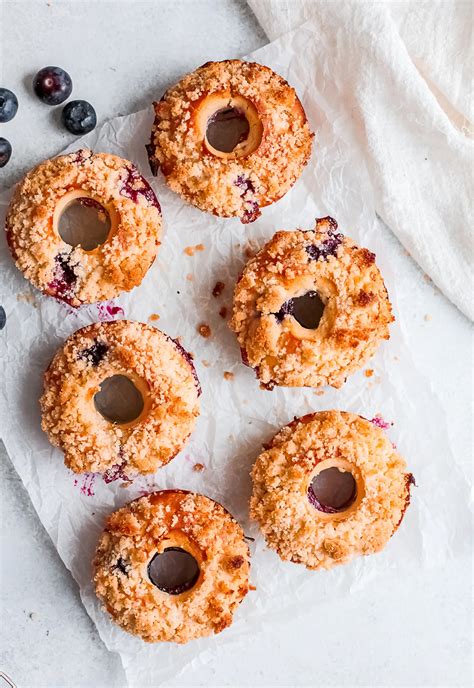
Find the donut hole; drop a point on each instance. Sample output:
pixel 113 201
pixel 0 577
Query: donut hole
pixel 226 128
pixel 118 400
pixel 308 310
pixel 84 222
pixel 173 571
pixel 332 490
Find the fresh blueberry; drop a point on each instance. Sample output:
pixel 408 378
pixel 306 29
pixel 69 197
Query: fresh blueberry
pixel 3 317
pixel 79 117
pixel 5 152
pixel 8 105
pixel 52 85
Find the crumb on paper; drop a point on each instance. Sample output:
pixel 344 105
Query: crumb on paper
pixel 218 289
pixel 369 372
pixel 223 312
pixel 126 484
pixel 189 277
pixel 32 615
pixel 427 317
pixel 252 588
pixel 396 358
pixel 427 278
pixel 154 317
pixel 191 250
pixel 205 363
pixel 27 297
pixel 198 467
pixel 319 392
pixel 204 330
pixel 228 375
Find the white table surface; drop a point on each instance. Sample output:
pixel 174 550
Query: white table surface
pixel 415 632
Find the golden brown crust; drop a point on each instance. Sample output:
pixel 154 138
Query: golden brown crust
pixel 135 533
pixel 70 273
pixel 242 185
pixel 292 526
pixel 356 315
pixel 152 360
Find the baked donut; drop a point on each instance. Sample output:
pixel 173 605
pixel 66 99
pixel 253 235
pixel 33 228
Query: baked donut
pixel 172 566
pixel 115 196
pixel 310 308
pixel 230 138
pixel 119 394
pixel 330 486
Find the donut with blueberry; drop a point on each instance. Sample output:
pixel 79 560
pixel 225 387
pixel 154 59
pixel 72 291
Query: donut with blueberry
pixel 230 138
pixel 94 270
pixel 172 566
pixel 329 486
pixel 120 397
pixel 310 308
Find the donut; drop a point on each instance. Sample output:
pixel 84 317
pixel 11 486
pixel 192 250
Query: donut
pixel 330 486
pixel 172 566
pixel 310 308
pixel 104 188
pixel 119 394
pixel 230 138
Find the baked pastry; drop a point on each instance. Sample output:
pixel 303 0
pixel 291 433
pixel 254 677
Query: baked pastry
pixel 119 394
pixel 310 308
pixel 328 487
pixel 230 138
pixel 172 566
pixel 100 266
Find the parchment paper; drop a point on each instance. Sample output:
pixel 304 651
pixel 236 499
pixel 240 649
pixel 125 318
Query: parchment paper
pixel 237 417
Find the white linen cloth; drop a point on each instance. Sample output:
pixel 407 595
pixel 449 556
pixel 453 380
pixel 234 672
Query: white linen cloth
pixel 403 74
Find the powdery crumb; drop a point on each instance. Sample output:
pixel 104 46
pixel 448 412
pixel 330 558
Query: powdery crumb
pixel 191 250
pixel 369 372
pixel 204 330
pixel 223 312
pixel 26 297
pixel 205 363
pixel 218 289
pixel 198 467
pixel 427 317
pixel 154 317
pixel 228 375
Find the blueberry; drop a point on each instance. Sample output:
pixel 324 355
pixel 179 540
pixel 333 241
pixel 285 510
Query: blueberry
pixel 8 105
pixel 52 85
pixel 79 117
pixel 5 151
pixel 3 317
pixel 95 353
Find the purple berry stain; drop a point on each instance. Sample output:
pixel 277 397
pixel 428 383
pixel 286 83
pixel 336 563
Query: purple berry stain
pixel 87 484
pixel 108 311
pixel 379 422
pixel 134 186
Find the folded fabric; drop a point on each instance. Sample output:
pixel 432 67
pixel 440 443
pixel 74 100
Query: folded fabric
pixel 403 69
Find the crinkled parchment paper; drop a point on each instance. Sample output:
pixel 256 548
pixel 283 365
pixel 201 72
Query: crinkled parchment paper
pixel 237 416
